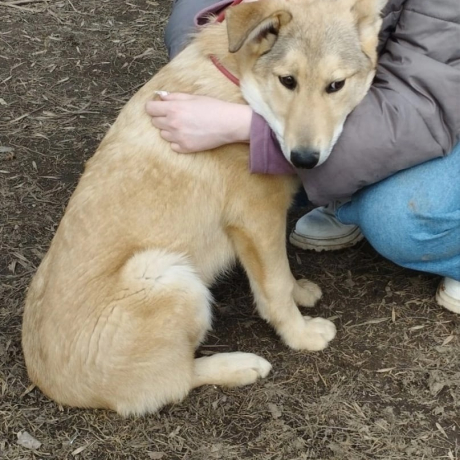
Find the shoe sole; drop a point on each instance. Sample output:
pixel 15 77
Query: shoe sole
pixel 446 301
pixel 333 244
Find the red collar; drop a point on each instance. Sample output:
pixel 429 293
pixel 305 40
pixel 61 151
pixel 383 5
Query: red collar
pixel 225 71
pixel 213 58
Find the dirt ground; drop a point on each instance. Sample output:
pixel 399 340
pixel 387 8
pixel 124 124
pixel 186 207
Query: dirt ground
pixel 388 387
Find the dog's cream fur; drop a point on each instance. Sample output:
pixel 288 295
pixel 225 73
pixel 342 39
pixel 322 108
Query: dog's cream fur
pixel 121 301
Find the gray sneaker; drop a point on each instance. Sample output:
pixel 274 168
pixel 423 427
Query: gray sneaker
pixel 319 230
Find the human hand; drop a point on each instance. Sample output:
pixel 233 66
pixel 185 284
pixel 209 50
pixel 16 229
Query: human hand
pixel 194 123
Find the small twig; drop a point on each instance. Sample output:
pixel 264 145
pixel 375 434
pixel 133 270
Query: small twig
pixel 25 115
pixel 22 2
pixel 321 377
pixel 71 4
pixel 17 7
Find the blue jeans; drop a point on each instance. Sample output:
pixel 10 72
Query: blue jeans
pixel 413 217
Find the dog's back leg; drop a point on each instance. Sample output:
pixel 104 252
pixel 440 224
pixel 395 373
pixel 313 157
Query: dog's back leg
pixel 161 368
pixel 168 312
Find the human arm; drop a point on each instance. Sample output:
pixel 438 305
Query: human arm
pixel 196 123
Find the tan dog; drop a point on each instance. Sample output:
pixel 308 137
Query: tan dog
pixel 121 301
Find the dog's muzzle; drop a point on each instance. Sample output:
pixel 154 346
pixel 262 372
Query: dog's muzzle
pixel 304 158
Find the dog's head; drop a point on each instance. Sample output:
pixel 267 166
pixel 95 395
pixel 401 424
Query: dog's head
pixel 304 66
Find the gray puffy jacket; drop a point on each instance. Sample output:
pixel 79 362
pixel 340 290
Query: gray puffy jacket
pixel 412 112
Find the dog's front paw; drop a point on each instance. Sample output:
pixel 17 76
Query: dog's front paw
pixel 315 334
pixel 306 293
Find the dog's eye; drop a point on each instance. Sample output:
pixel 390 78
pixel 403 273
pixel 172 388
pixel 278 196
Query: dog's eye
pixel 335 86
pixel 289 82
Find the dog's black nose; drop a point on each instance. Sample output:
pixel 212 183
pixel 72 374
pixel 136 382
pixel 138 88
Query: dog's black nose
pixel 304 158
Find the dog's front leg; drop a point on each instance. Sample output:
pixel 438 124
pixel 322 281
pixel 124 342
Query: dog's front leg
pixel 276 291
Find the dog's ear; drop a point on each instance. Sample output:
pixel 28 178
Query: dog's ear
pixel 367 16
pixel 257 23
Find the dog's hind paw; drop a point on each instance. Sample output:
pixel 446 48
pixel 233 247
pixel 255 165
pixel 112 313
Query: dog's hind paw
pixel 315 334
pixel 231 369
pixel 246 368
pixel 306 293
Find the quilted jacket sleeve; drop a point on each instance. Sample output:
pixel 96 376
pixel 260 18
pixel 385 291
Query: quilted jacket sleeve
pixel 412 112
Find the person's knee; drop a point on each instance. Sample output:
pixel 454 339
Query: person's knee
pixel 179 27
pixel 412 217
pixel 181 24
pixel 393 226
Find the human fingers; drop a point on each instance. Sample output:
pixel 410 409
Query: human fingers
pixel 177 148
pixel 167 135
pixel 176 142
pixel 160 122
pixel 166 96
pixel 156 108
